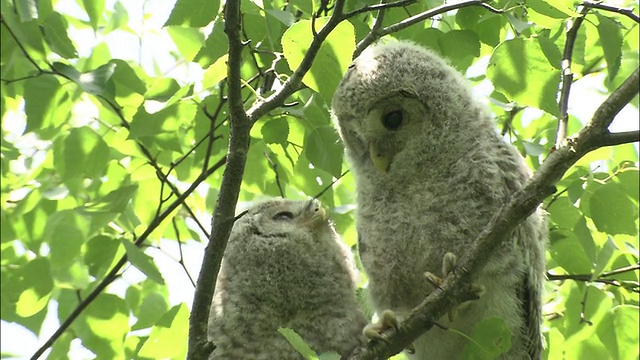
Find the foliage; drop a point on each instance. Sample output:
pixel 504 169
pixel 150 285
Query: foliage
pixel 115 129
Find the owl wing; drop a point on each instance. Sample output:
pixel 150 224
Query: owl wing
pixel 532 315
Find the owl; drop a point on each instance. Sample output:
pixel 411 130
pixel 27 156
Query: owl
pixel 431 171
pixel 285 267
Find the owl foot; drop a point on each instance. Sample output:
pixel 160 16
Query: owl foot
pixel 376 331
pixel 449 263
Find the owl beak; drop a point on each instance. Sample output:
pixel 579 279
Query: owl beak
pixel 318 215
pixel 380 161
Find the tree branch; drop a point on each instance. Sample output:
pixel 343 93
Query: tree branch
pixel 263 106
pixel 368 40
pixel 113 273
pixel 626 137
pixel 567 76
pixel 378 7
pixel 223 215
pixel 521 204
pixel 626 12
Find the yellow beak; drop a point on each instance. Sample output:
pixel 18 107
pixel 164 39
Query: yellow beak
pixel 380 160
pixel 318 215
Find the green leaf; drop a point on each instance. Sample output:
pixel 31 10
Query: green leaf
pixel 628 179
pixel 167 339
pixel 215 73
pixel 84 154
pixel 188 40
pixel 563 213
pixel 611 41
pixel 27 10
pixel 99 254
pixel 612 210
pixel 153 306
pixel 332 60
pixel 567 251
pixel 93 82
pixel 43 96
pixel 36 285
pixel 526 70
pixel 489 339
pixel 604 256
pixel 126 79
pixel 164 121
pixel 142 261
pixel 103 326
pixel 486 25
pixel 276 131
pixel 625 321
pixel 66 231
pixel 546 15
pixel 214 47
pixel 298 343
pixel 460 47
pixel 55 30
pixel 95 10
pixel 323 149
pixel 162 89
pixel 193 13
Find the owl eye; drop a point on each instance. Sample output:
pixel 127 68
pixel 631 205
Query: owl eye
pixel 392 120
pixel 283 215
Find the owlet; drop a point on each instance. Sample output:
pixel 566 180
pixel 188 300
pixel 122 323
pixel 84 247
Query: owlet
pixel 431 171
pixel 285 267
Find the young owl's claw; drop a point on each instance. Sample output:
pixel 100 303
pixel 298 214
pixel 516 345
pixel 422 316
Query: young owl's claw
pixel 376 330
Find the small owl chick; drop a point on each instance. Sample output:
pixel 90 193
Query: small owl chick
pixel 285 267
pixel 431 171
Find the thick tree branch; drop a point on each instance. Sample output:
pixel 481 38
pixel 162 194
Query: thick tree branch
pixel 223 215
pixel 521 204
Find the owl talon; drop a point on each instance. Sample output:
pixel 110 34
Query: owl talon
pixel 376 331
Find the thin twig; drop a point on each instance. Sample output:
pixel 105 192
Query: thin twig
pixel 379 7
pixel 331 185
pixel 623 11
pixel 181 261
pixel 583 304
pixel 567 76
pixel 372 36
pixel 274 167
pixel 419 18
pixel 24 51
pixel 113 274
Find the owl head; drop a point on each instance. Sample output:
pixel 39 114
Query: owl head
pixel 280 216
pixel 280 234
pixel 396 96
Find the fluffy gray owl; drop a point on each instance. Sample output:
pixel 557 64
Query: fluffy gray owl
pixel 285 267
pixel 431 171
